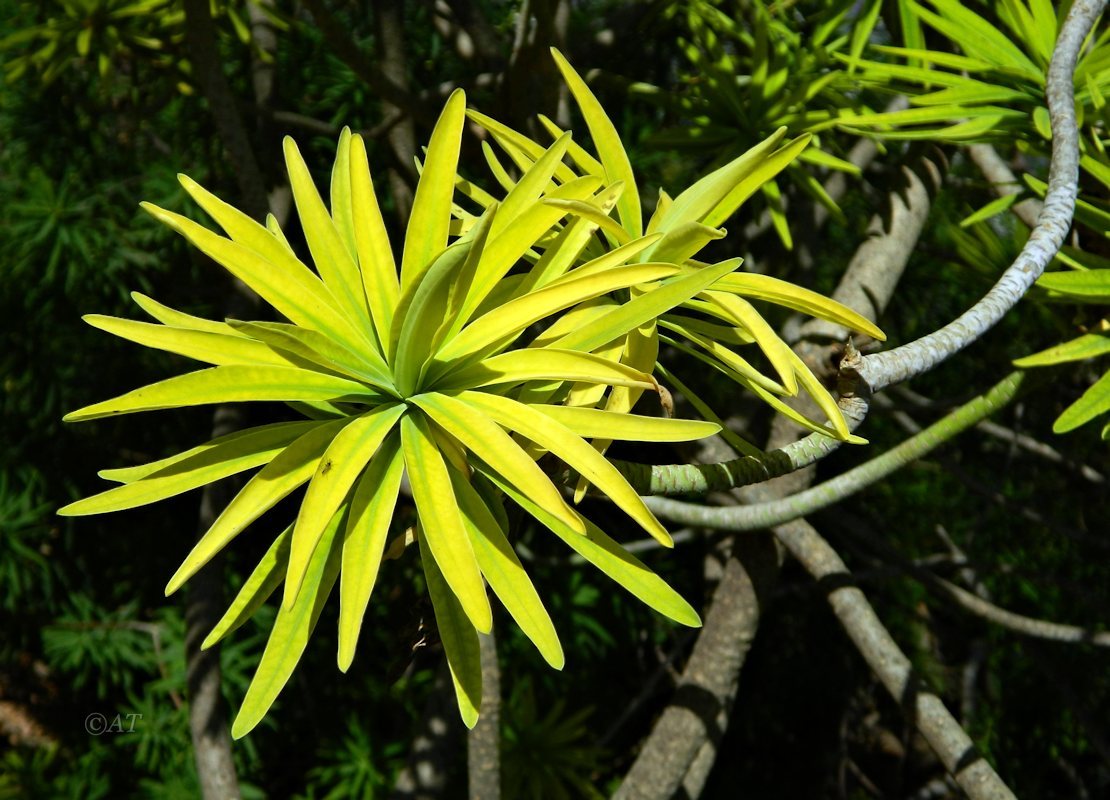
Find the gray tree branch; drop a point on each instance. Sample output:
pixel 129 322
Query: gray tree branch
pixel 894 366
pixel 863 626
pixel 484 740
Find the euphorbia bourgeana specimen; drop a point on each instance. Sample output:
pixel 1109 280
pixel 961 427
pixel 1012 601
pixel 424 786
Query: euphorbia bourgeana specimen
pixel 435 370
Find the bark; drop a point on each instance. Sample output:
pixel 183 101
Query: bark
pixel 716 670
pixel 901 363
pixel 784 509
pixel 401 136
pixel 925 710
pixel 200 38
pixel 484 741
pixel 697 716
pixel 203 608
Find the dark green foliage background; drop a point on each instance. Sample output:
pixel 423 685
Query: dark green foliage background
pixel 84 627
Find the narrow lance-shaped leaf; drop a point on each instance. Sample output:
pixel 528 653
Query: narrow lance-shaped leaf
pixel 487 440
pixel 179 319
pixel 255 591
pixel 372 505
pixel 333 260
pixel 460 640
pixel 291 632
pixel 1092 403
pixel 543 364
pixel 318 349
pixel 426 234
pixel 506 575
pixel 339 468
pixel 212 348
pixel 576 452
pixel 439 518
pixel 380 281
pixel 608 144
pixel 646 307
pixel 205 465
pixel 230 384
pixel 286 284
pixel 596 423
pixel 342 204
pixel 510 319
pixel 291 468
pixel 610 558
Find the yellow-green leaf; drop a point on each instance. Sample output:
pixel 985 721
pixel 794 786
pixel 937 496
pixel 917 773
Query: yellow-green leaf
pixel 440 520
pixel 430 219
pixel 291 468
pixel 542 364
pixel 646 307
pixel 211 348
pixel 231 384
pixel 506 575
pixel 333 260
pixel 279 279
pixel 612 559
pixel 179 319
pixel 199 467
pixel 486 439
pixel 780 292
pixel 256 589
pixel 341 465
pixel 342 204
pixel 1089 345
pixel 291 632
pixel 572 449
pixel 591 423
pixel 608 144
pixel 499 326
pixel 375 256
pixel 372 505
pixel 460 640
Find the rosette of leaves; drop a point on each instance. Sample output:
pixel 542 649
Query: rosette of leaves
pixel 754 68
pixel 418 371
pixel 1081 286
pixel 709 326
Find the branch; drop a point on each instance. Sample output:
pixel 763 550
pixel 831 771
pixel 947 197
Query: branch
pixel 677 479
pixel 894 366
pixel 1019 623
pixel 863 626
pixel 1041 449
pixel 699 710
pixel 683 744
pixel 339 40
pixel 1003 181
pixel 774 512
pixel 484 740
pixel 200 37
pixel 867 285
pixel 401 135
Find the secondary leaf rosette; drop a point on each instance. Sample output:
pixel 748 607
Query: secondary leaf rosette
pixel 413 370
pixel 710 324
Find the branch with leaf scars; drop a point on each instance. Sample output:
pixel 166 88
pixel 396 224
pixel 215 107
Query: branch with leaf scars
pixel 880 370
pixel 894 366
pixel 776 512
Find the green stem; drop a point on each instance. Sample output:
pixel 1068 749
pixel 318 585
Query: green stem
pixel 776 512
